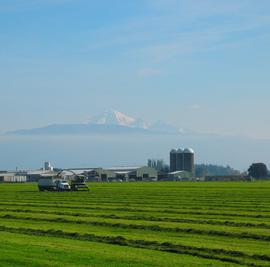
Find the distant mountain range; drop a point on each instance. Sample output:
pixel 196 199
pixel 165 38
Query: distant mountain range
pixel 128 141
pixel 109 122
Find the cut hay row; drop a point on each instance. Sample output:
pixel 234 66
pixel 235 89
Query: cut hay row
pixel 144 218
pixel 217 254
pixel 228 223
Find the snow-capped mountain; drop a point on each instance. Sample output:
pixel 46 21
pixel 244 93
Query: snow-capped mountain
pixel 140 123
pixel 109 122
pixel 114 117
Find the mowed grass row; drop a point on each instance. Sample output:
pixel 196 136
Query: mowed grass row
pixel 168 213
pixel 52 251
pixel 226 223
pixel 260 232
pixel 234 221
pixel 146 233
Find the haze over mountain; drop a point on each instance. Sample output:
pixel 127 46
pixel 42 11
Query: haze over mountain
pixel 114 138
pixel 111 121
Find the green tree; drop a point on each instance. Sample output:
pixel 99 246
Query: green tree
pixel 258 170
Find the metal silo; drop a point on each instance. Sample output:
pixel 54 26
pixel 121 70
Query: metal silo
pixel 179 160
pixel 173 154
pixel 188 164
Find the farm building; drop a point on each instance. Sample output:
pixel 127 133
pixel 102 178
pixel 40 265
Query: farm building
pixel 119 173
pixel 163 176
pixel 12 177
pixel 92 174
pixel 132 173
pixel 34 176
pixel 180 176
pixel 182 160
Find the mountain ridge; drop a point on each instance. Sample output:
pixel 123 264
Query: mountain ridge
pixel 108 122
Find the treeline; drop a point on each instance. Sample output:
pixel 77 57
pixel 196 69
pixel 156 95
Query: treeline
pixel 202 170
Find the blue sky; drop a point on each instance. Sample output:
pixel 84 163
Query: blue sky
pixel 202 65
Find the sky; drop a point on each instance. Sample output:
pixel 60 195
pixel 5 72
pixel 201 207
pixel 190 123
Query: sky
pixel 200 65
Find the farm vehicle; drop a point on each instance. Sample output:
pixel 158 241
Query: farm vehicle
pixel 57 182
pixel 50 183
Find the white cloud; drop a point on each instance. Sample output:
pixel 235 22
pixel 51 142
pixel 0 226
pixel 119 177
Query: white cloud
pixel 182 27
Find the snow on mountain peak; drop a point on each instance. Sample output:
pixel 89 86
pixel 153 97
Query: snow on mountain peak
pixel 123 119
pixel 107 122
pixel 113 117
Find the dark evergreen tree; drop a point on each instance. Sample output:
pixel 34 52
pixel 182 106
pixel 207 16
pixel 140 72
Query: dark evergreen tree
pixel 202 170
pixel 258 170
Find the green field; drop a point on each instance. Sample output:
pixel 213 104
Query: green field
pixel 136 224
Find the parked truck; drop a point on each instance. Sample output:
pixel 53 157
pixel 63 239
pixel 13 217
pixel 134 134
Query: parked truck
pixel 62 183
pixel 52 183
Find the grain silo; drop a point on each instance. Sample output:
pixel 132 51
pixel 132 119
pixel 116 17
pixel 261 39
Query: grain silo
pixel 179 160
pixel 173 154
pixel 188 164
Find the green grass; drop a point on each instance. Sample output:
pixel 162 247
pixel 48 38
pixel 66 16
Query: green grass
pixel 136 224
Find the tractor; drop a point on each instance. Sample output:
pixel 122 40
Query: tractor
pixel 76 181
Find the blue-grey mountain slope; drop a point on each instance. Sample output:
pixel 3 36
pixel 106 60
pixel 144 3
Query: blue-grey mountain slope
pixel 110 122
